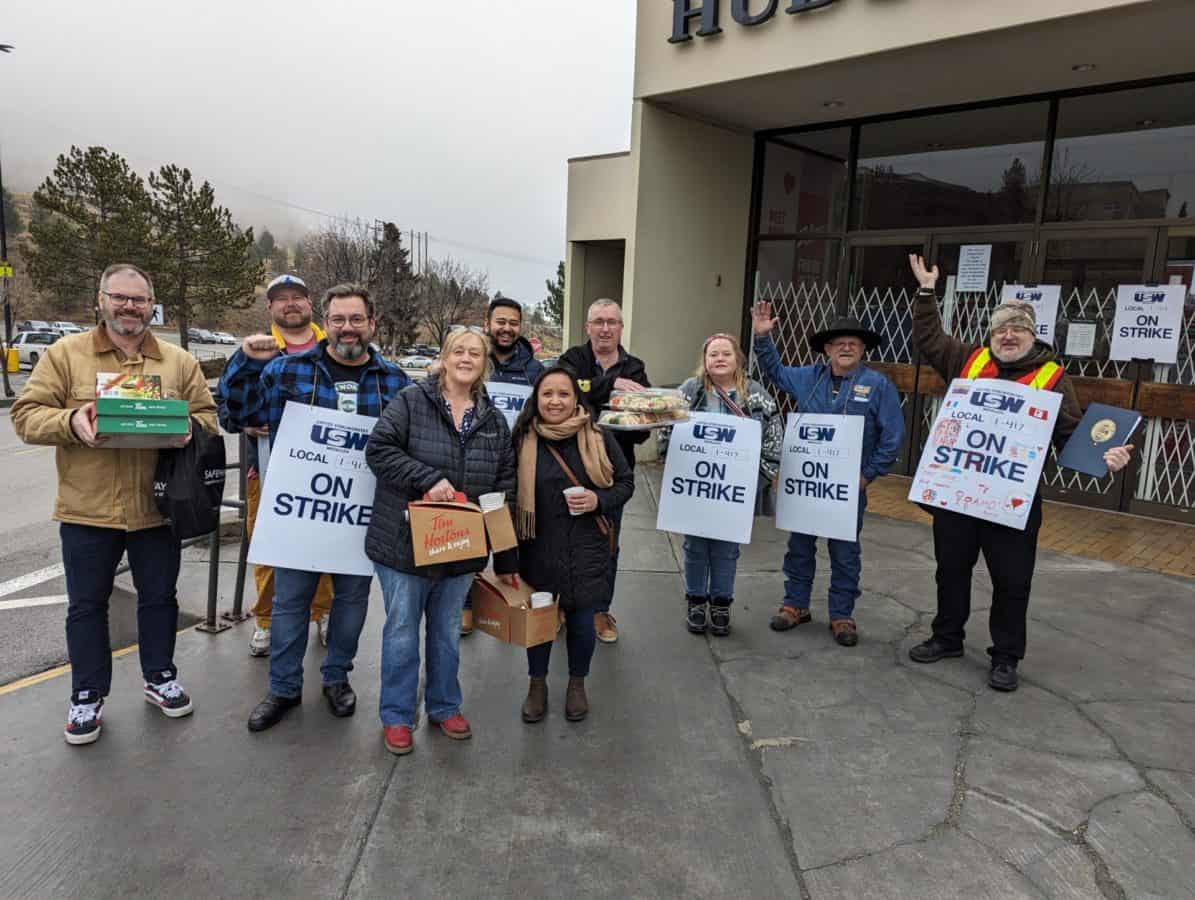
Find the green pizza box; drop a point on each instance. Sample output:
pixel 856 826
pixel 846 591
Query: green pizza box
pixel 132 407
pixel 161 425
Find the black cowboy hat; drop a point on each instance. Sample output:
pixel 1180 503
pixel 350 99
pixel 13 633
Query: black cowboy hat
pixel 844 326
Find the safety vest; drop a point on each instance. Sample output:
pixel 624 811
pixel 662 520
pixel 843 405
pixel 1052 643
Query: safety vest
pixel 981 365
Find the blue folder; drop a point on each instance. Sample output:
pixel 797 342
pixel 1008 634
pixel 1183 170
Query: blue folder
pixel 1102 428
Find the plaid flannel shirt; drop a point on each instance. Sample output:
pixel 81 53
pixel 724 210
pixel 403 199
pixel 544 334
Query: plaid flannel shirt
pixel 256 392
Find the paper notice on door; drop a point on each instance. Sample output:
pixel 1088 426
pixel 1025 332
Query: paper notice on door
pixel 974 264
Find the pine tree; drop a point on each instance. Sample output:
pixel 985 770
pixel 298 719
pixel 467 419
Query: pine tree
pixel 93 210
pixel 201 257
pixel 553 305
pixel 395 289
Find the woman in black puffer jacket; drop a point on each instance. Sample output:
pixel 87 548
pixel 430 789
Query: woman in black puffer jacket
pixel 565 543
pixel 435 438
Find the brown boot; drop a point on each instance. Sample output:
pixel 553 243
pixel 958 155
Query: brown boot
pixel 466 622
pixel 576 704
pixel 536 704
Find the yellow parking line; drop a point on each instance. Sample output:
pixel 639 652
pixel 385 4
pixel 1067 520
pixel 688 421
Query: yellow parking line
pixel 53 673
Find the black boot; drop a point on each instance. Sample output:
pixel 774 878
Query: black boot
pixel 695 620
pixel 720 616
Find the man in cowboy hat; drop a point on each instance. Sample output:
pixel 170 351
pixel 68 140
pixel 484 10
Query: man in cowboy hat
pixel 841 385
pixel 1012 353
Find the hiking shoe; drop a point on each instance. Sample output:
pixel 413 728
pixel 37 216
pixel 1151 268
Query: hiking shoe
pixel 321 625
pixel 695 617
pixel 168 696
pixel 259 644
pixel 933 650
pixel 844 632
pixel 720 616
pixel 1003 677
pixel 398 739
pixel 466 622
pixel 83 722
pixel 455 727
pixel 606 627
pixel 789 617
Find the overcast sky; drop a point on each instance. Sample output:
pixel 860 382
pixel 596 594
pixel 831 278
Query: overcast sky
pixel 451 118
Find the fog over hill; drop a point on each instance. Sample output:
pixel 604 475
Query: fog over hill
pixel 454 119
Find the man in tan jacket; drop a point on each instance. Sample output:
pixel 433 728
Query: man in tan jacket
pixel 105 495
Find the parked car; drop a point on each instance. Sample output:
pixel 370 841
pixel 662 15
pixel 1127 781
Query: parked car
pixel 415 362
pixel 31 345
pixel 550 361
pixel 223 337
pixel 193 334
pixel 34 325
pixel 202 336
pixel 66 328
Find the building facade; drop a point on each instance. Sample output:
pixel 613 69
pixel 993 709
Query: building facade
pixel 799 150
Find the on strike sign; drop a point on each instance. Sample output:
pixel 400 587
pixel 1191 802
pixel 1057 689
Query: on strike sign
pixel 819 476
pixel 985 454
pixel 317 499
pixel 1148 322
pixel 710 477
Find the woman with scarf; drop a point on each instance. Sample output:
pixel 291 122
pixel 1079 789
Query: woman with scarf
pixel 720 385
pixel 566 541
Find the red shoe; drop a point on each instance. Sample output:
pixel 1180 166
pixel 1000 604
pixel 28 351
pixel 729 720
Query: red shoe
pixel 456 727
pixel 398 739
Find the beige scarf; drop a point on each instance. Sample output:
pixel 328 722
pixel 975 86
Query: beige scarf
pixel 593 455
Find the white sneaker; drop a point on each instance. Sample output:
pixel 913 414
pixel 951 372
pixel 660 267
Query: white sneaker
pixel 83 722
pixel 322 625
pixel 169 697
pixel 259 644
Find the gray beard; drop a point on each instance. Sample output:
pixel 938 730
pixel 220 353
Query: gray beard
pixel 350 351
pixel 115 326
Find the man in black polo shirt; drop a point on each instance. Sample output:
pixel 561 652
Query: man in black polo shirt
pixel 603 365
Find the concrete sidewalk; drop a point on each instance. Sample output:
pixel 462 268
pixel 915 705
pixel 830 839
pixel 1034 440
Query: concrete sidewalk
pixel 759 765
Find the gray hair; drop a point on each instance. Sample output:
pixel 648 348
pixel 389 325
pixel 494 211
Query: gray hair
pixel 603 301
pixel 123 267
pixel 348 289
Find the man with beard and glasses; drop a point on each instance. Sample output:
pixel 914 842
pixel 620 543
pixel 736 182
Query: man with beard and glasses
pixel 341 372
pixel 105 495
pixel 288 302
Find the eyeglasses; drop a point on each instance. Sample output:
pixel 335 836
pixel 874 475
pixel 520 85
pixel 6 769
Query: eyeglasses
pixel 125 299
pixel 1011 329
pixel 341 321
pixel 605 323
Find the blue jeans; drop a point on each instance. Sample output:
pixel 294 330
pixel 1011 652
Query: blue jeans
pixel 90 556
pixel 408 599
pixel 603 604
pixel 581 638
pixel 293 592
pixel 710 566
pixel 846 562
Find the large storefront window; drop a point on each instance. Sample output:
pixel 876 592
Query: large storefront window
pixel 980 167
pixel 811 263
pixel 1125 155
pixel 804 182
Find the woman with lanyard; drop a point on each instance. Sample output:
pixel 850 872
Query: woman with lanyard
pixel 720 385
pixel 843 385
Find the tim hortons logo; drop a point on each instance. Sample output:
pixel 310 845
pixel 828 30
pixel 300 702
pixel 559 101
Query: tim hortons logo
pixel 684 11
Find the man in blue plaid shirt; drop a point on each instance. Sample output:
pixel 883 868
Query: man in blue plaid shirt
pixel 341 372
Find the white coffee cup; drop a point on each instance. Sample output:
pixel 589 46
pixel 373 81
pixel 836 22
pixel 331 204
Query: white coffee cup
pixel 575 489
pixel 492 501
pixel 540 599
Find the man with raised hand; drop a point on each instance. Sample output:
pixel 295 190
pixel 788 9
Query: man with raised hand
pixel 288 301
pixel 105 495
pixel 1012 353
pixel 342 372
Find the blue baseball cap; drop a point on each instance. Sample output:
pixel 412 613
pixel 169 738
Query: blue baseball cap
pixel 287 281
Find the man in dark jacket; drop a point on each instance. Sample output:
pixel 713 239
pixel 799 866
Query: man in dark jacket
pixel 342 372
pixel 602 365
pixel 1012 354
pixel 512 358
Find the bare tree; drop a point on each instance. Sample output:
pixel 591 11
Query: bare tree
pixel 341 251
pixel 452 294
